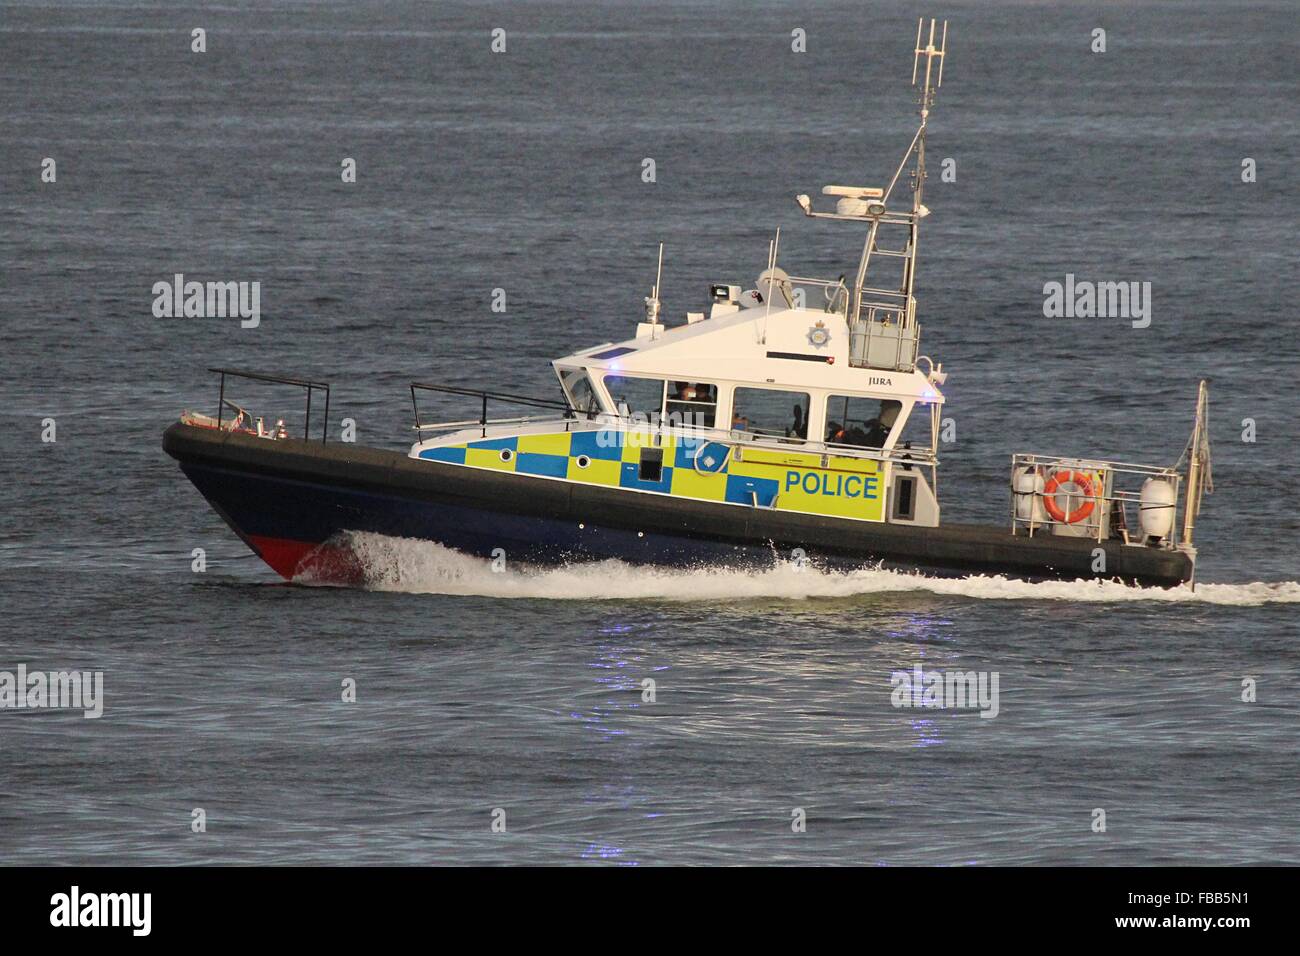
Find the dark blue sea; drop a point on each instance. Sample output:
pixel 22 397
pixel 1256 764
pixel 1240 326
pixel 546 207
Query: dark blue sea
pixel 522 170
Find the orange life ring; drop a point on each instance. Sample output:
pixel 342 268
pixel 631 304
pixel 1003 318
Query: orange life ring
pixel 1084 483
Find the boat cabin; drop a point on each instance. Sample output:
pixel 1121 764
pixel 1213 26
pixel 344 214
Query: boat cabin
pixel 781 376
pixel 757 405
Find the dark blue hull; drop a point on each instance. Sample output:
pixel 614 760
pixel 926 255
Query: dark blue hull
pixel 295 503
pixel 290 510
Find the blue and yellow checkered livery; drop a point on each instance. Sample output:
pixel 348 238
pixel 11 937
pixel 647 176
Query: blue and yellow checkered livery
pixel 685 467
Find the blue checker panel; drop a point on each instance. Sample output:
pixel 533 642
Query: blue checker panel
pixel 454 455
pixel 712 457
pixel 589 444
pixel 533 463
pixel 741 490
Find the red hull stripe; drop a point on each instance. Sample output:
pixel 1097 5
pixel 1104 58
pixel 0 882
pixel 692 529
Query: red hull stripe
pixel 324 563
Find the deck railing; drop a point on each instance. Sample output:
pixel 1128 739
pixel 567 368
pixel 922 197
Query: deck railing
pixel 307 385
pixel 1109 515
pixel 571 415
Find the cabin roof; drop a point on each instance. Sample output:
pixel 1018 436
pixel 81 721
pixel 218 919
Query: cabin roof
pixel 754 346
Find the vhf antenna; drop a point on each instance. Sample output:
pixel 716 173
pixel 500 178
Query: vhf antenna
pixel 930 52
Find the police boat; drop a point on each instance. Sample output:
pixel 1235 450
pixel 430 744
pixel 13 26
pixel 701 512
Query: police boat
pixel 793 421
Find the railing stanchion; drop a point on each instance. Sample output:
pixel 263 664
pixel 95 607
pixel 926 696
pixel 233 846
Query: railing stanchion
pixel 309 385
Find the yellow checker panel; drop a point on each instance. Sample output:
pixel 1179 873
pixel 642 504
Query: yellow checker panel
pixel 545 444
pixel 597 472
pixel 488 458
pixel 688 484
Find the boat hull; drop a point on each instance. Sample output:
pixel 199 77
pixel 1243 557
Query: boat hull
pixel 295 503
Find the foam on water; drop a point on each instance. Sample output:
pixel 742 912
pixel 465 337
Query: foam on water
pixel 421 567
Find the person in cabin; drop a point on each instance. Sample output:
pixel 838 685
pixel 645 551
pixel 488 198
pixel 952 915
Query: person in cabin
pixel 878 428
pixel 687 405
pixel 797 429
pixel 871 433
pixel 841 434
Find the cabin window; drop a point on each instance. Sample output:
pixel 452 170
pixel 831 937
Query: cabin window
pixel 581 396
pixel 860 422
pixel 640 398
pixel 770 412
pixel 693 404
pixel 916 434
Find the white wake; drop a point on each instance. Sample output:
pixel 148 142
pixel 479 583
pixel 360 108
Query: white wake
pixel 421 567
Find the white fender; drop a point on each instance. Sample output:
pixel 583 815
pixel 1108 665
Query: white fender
pixel 1156 508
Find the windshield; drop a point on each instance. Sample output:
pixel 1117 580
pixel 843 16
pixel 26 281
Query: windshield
pixel 860 421
pixel 579 393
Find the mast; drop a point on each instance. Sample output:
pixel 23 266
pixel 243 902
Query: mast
pixel 881 318
pixel 1199 476
pixel 931 80
pixel 930 52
